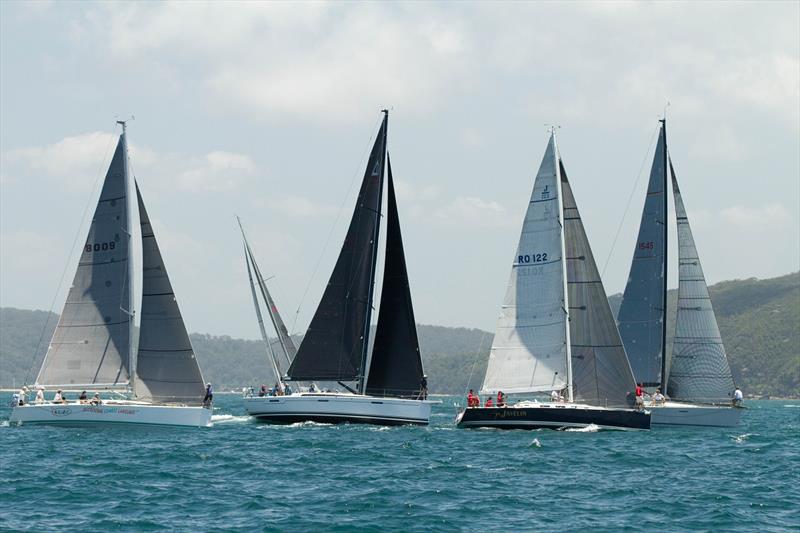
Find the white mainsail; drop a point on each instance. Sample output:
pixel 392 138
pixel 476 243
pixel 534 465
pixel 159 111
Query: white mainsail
pixel 529 352
pixel 91 344
pixel 699 369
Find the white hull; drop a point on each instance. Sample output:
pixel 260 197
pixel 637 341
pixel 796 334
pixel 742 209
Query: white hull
pixel 338 407
pixel 687 414
pixel 111 412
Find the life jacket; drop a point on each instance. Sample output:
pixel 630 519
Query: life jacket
pixel 489 403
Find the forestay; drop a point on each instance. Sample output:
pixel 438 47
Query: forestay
pixel 166 367
pixel 91 343
pixel 642 313
pixel 529 352
pixel 601 374
pixel 699 369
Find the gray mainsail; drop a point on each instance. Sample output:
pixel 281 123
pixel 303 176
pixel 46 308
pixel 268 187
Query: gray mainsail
pixel 641 318
pixel 166 367
pixel 92 341
pixel 601 374
pixel 699 369
pixel 530 349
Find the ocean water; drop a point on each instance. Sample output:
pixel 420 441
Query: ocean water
pixel 245 476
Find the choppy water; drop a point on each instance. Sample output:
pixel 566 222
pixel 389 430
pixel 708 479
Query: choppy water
pixel 240 475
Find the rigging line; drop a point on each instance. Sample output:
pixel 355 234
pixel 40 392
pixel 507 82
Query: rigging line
pixel 67 263
pixel 630 199
pixel 477 355
pixel 334 225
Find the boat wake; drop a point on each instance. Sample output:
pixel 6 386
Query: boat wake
pixel 591 428
pixel 535 444
pixel 227 419
pixel 4 424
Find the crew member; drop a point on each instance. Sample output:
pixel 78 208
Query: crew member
pixel 489 402
pixel 639 396
pixel 423 387
pixel 658 398
pixel 82 398
pixel 501 399
pixel 209 397
pixel 738 397
pixel 39 395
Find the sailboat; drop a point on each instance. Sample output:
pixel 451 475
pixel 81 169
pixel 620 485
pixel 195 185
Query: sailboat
pixel 155 378
pixel 556 331
pixel 696 376
pixel 386 386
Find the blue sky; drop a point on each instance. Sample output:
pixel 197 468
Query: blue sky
pixel 267 109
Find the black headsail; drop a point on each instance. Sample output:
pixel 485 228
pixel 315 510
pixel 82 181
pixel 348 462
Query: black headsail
pixel 335 344
pixel 396 366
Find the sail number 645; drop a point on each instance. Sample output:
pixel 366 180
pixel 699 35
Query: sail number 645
pixel 649 245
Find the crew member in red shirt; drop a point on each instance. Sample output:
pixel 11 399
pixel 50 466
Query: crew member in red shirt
pixel 489 402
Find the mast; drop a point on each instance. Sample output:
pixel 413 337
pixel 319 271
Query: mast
pixel 131 311
pixel 557 159
pixel 665 264
pixel 362 386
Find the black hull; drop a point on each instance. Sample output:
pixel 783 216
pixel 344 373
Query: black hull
pixel 552 417
pixel 337 419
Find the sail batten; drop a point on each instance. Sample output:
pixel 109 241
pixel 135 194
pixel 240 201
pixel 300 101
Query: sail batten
pixel 699 369
pixel 529 351
pixel 335 343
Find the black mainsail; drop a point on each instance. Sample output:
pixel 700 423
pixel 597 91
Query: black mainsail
pixel 642 314
pixel 336 342
pixel 166 366
pixel 396 366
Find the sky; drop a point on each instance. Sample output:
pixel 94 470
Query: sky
pixel 266 110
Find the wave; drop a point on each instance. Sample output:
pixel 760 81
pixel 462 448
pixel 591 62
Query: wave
pixel 741 438
pixel 535 444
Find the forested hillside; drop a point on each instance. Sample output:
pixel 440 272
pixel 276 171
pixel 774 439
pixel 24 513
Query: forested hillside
pixel 759 319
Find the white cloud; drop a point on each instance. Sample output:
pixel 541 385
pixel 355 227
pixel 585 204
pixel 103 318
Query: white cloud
pixel 474 212
pixel 297 206
pixel 767 216
pixel 217 171
pixel 72 155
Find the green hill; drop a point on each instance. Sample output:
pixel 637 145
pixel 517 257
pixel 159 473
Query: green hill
pixel 759 319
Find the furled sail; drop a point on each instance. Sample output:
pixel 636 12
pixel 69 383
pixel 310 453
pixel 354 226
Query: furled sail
pixel 529 351
pixel 396 365
pixel 641 317
pixel 91 343
pixel 699 369
pixel 335 343
pixel 166 367
pixel 601 374
pixel 285 340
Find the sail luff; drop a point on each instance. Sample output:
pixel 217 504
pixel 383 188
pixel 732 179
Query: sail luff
pixel 568 355
pixel 131 311
pixel 665 157
pixel 699 369
pixel 374 262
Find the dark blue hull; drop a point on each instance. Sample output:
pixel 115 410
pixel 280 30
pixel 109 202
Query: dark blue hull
pixel 552 416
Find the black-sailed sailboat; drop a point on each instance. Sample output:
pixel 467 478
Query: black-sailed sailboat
pixel 556 332
pixel 385 385
pixel 692 385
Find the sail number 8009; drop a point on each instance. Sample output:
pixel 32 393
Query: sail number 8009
pixel 100 246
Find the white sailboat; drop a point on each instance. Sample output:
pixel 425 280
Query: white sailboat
pixel 154 379
pixel 385 386
pixel 695 377
pixel 556 331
